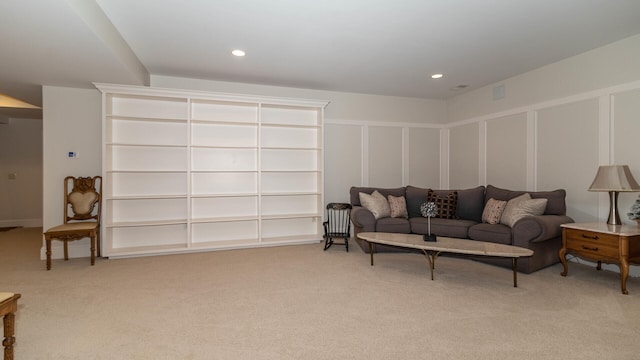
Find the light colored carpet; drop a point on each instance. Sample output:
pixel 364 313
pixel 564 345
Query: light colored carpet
pixel 299 302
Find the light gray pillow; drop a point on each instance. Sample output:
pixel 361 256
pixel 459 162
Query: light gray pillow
pixel 507 217
pixel 376 203
pixel 533 207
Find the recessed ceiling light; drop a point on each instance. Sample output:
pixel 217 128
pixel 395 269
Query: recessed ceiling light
pixel 436 76
pixel 238 53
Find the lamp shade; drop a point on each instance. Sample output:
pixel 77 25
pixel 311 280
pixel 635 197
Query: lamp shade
pixel 614 178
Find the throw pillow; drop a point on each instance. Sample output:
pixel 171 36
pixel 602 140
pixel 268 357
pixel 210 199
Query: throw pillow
pixel 533 207
pixel 512 205
pixel 376 203
pixel 493 211
pixel 446 205
pixel 398 206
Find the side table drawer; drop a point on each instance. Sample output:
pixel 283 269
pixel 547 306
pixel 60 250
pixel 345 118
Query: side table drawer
pixel 595 250
pixel 592 237
pixel 593 244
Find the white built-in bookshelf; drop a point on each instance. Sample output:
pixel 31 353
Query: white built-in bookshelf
pixel 193 171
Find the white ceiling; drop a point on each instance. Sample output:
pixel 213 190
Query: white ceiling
pixel 386 47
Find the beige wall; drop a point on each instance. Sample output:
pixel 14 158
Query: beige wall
pixel 465 141
pixel 553 128
pixel 563 143
pixel 369 140
pixel 72 121
pixel 562 134
pixel 343 106
pixel 607 66
pixel 463 156
pixel 506 157
pixel 342 159
pixel 21 154
pixel 567 154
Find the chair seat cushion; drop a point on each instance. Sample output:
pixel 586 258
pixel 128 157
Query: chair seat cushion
pixel 76 226
pixel 5 295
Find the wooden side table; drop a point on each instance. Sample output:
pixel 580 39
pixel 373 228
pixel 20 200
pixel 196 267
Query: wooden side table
pixel 8 308
pixel 612 244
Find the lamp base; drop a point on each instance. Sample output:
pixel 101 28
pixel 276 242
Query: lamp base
pixel 614 215
pixel 429 237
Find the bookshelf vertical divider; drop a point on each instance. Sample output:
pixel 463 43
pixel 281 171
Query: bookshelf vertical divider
pixel 195 171
pixel 189 171
pixel 259 174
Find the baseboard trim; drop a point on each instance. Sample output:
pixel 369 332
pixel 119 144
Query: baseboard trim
pixel 21 223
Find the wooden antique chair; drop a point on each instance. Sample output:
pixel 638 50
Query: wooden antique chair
pixel 82 210
pixel 337 225
pixel 8 308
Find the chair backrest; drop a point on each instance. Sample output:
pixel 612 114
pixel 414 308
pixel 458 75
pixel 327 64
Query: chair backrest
pixel 82 198
pixel 338 218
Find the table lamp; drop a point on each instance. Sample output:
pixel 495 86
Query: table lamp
pixel 614 179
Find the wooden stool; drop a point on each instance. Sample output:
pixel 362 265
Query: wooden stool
pixel 8 307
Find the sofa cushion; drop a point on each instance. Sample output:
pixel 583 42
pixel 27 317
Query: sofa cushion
pixel 458 228
pixel 355 191
pixel 555 199
pixel 471 203
pixel 493 211
pixel 495 233
pixel 393 225
pixel 398 206
pixel 376 203
pixel 446 204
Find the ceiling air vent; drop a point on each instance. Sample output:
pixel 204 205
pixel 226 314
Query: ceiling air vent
pixel 459 87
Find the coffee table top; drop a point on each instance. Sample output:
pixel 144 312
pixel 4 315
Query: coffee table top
pixel 446 244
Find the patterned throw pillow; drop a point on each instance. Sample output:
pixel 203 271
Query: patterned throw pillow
pixel 376 203
pixel 398 207
pixel 446 205
pixel 493 211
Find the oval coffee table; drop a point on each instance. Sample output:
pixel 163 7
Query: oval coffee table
pixel 443 244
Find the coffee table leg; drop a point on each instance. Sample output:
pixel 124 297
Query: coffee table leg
pixel 515 272
pixel 371 252
pixel 431 257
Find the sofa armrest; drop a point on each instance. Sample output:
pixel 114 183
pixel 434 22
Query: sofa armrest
pixel 362 219
pixel 538 229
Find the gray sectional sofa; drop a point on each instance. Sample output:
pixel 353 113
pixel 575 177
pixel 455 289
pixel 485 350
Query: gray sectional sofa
pixel 542 234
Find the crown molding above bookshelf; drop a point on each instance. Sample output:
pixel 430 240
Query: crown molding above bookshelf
pixel 144 91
